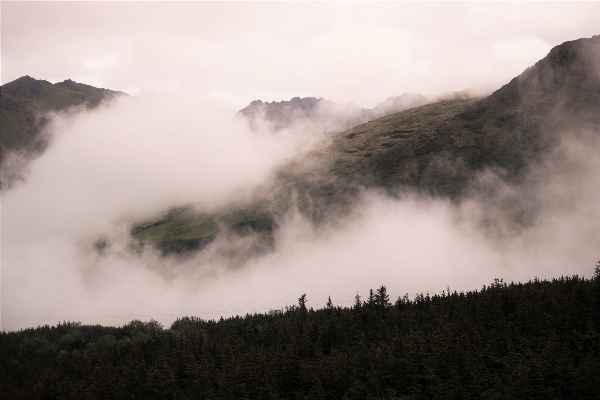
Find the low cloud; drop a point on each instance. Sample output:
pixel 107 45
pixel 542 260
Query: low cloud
pixel 109 167
pixel 137 158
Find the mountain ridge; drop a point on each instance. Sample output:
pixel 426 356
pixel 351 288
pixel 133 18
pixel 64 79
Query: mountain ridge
pixel 25 104
pixel 25 101
pixel 438 149
pixel 335 116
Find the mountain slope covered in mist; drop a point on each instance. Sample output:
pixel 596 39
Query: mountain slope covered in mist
pixel 439 149
pixel 26 100
pixel 25 104
pixel 328 115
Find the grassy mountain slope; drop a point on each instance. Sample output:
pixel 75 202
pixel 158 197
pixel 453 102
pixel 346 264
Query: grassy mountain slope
pixel 437 148
pixel 26 100
pixel 515 126
pixel 181 230
pixel 322 184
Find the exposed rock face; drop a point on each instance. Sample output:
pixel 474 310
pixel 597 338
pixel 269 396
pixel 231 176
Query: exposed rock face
pixel 324 114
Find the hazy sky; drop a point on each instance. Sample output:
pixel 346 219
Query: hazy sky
pixel 238 52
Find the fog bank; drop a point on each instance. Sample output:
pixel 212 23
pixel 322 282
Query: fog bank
pixel 108 167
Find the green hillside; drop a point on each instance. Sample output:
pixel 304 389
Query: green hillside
pixel 324 184
pixel 182 230
pixel 436 149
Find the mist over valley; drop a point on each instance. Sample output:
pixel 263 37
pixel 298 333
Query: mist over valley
pixel 170 208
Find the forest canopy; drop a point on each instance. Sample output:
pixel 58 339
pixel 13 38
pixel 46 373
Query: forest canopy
pixel 538 339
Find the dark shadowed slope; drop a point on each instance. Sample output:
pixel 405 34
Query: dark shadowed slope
pixel 436 149
pixel 25 104
pixel 24 115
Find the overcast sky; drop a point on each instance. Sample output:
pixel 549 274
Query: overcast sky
pixel 237 52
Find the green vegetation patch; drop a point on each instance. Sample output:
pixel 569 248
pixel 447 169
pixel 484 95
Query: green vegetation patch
pixel 249 220
pixel 183 230
pixel 177 225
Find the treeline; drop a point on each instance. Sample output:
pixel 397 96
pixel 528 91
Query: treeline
pixel 534 340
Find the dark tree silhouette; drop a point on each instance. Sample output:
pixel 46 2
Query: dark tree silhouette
pixel 382 300
pixel 539 339
pixel 302 302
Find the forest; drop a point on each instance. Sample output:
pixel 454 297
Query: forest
pixel 539 339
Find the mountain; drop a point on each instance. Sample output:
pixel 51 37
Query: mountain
pixel 437 149
pixel 509 130
pixel 25 100
pixel 25 103
pixel 396 104
pixel 330 116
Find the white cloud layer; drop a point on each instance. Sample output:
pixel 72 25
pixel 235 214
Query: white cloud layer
pixel 112 165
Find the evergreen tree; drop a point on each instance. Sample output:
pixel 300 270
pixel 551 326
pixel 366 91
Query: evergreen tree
pixel 302 302
pixel 382 300
pixel 329 304
pixel 357 303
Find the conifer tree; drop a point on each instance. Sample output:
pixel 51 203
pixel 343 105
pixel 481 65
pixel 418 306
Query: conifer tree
pixel 302 302
pixel 357 303
pixel 329 303
pixel 382 299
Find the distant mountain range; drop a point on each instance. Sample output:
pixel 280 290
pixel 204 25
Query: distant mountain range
pixel 333 117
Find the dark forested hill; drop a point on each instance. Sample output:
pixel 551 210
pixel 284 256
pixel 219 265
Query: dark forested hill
pixel 539 339
pixel 437 149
